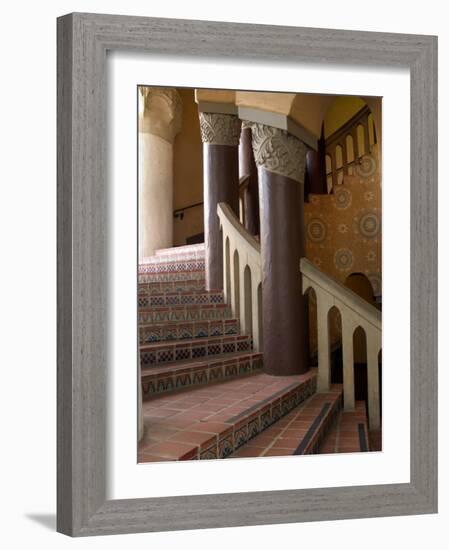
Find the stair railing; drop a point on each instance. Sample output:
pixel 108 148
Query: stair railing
pixel 355 312
pixel 242 275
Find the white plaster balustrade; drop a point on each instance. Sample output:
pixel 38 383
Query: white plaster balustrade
pixel 242 274
pixel 242 288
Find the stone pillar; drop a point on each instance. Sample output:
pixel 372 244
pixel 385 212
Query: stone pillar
pixel 248 168
pixel 159 122
pixel 280 158
pixel 220 134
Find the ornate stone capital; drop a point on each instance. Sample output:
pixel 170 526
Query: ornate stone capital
pixel 220 129
pixel 160 112
pixel 278 151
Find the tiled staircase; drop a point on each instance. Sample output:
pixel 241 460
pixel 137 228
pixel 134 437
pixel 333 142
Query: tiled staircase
pixel 205 395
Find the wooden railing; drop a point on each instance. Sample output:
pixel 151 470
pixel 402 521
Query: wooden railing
pixel 242 275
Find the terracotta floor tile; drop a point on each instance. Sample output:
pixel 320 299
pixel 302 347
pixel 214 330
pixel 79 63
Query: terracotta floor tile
pixel 170 449
pixel 277 452
pixel 196 438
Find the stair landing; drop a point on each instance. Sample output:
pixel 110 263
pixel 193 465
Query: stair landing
pixel 213 421
pixel 299 432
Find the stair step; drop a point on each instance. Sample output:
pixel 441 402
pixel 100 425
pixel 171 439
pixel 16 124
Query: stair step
pixel 175 276
pixel 300 432
pixel 182 252
pixel 349 433
pixel 170 314
pixel 164 265
pixel 193 285
pixel 213 421
pixel 180 298
pixel 207 370
pixel 160 332
pixel 158 353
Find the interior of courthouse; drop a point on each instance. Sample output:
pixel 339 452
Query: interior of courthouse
pixel 260 274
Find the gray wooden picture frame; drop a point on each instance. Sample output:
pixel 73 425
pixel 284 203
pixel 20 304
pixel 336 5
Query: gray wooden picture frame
pixel 83 40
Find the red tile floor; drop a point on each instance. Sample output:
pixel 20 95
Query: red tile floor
pixel 186 425
pixel 286 435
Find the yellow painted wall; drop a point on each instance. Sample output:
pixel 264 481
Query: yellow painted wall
pixel 340 111
pixel 188 170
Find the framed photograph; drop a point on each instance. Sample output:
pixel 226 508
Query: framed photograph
pixel 247 274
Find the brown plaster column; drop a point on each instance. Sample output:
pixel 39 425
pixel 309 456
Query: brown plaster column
pixel 220 134
pixel 280 158
pixel 316 168
pixel 248 168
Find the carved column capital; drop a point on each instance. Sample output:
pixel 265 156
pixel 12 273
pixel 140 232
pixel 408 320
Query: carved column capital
pixel 220 129
pixel 160 112
pixel 278 151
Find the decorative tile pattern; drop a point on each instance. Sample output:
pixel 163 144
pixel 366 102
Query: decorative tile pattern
pixel 203 372
pixel 162 352
pixel 173 314
pixel 179 298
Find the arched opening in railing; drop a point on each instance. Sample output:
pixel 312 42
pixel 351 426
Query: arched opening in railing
pixel 379 363
pixel 361 140
pixel 247 305
pixel 361 285
pixel 328 173
pixel 339 163
pixel 236 285
pixel 350 153
pixel 335 345
pixel 371 131
pixel 360 366
pixel 227 271
pixel 311 306
pixel 260 315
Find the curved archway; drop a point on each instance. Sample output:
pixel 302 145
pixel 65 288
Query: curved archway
pixel 236 279
pixel 227 281
pixel 350 153
pixel 335 345
pixel 361 145
pixel 361 285
pixel 311 307
pixel 360 366
pixel 247 306
pixel 260 319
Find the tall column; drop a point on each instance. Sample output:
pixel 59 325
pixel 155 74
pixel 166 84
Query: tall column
pixel 159 122
pixel 220 135
pixel 280 158
pixel 316 168
pixel 248 167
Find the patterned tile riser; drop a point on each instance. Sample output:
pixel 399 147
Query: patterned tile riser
pixel 171 286
pixel 250 427
pixel 178 299
pixel 166 383
pixel 179 313
pixel 204 329
pixel 172 267
pixel 179 351
pixel 149 278
pixel 164 258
